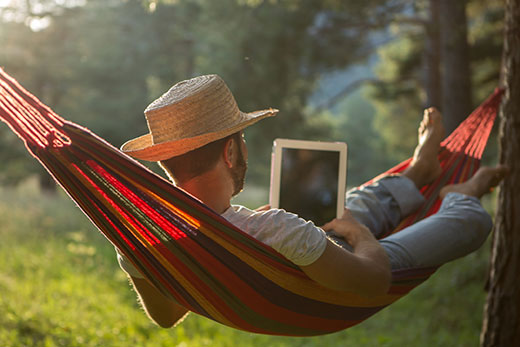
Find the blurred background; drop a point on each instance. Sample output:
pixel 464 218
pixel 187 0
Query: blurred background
pixel 358 71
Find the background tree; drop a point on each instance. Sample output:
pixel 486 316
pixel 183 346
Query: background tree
pixel 501 326
pixel 432 56
pixel 408 71
pixel 456 69
pixel 100 63
pixel 87 63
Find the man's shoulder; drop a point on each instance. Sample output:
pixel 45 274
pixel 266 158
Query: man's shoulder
pixel 241 212
pixel 276 219
pixel 298 240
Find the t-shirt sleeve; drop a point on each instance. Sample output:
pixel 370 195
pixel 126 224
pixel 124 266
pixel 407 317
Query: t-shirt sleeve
pixel 298 240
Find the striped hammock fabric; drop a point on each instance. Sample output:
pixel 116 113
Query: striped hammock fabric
pixel 193 255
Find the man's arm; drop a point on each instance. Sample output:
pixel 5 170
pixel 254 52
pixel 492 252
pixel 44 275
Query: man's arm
pixel 365 271
pixel 160 309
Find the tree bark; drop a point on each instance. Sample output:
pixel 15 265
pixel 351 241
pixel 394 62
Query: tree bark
pixel 501 324
pixel 456 81
pixel 432 59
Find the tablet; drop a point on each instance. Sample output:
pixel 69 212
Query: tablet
pixel 309 178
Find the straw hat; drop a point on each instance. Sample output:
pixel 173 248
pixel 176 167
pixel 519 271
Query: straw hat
pixel 190 115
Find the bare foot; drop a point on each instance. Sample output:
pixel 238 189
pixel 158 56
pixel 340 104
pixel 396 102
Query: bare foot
pixel 481 183
pixel 425 166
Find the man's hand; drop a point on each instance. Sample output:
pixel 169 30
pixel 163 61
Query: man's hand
pixel 349 228
pixel 158 307
pixel 365 271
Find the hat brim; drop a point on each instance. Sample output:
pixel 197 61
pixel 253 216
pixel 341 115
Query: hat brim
pixel 143 147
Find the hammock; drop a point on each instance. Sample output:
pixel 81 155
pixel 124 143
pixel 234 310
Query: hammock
pixel 193 255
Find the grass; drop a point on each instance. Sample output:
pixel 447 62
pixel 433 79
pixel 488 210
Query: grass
pixel 60 286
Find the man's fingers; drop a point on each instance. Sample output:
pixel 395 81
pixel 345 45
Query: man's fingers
pixel 263 208
pixel 346 213
pixel 329 226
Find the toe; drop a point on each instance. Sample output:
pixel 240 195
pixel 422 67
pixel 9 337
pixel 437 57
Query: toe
pixel 500 172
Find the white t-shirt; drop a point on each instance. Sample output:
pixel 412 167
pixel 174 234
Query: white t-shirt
pixel 298 240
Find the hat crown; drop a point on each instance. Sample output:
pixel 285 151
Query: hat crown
pixel 190 108
pixel 190 115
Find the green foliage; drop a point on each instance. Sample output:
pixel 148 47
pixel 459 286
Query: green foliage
pixel 101 63
pixel 398 99
pixel 60 286
pixel 485 38
pixel 352 121
pixel 366 152
pixel 88 65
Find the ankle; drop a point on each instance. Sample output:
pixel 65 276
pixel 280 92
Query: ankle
pixel 422 173
pixel 461 188
pixel 412 175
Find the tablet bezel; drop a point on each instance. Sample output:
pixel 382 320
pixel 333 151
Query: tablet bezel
pixel 276 167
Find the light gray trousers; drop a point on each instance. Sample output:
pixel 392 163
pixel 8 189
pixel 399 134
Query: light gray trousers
pixel 459 227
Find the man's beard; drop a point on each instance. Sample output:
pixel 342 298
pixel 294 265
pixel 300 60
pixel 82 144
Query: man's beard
pixel 238 174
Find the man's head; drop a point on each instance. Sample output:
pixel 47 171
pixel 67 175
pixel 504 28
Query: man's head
pixel 201 160
pixel 190 115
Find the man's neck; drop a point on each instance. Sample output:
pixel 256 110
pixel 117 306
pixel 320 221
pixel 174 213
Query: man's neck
pixel 211 190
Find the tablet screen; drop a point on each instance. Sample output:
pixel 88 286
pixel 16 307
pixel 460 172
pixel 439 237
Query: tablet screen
pixel 309 181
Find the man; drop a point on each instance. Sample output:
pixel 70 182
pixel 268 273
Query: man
pixel 196 135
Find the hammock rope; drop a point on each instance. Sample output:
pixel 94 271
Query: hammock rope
pixel 193 255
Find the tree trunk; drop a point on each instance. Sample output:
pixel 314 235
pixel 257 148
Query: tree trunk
pixel 456 81
pixel 501 325
pixel 432 59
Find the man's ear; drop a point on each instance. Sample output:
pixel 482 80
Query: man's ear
pixel 229 153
